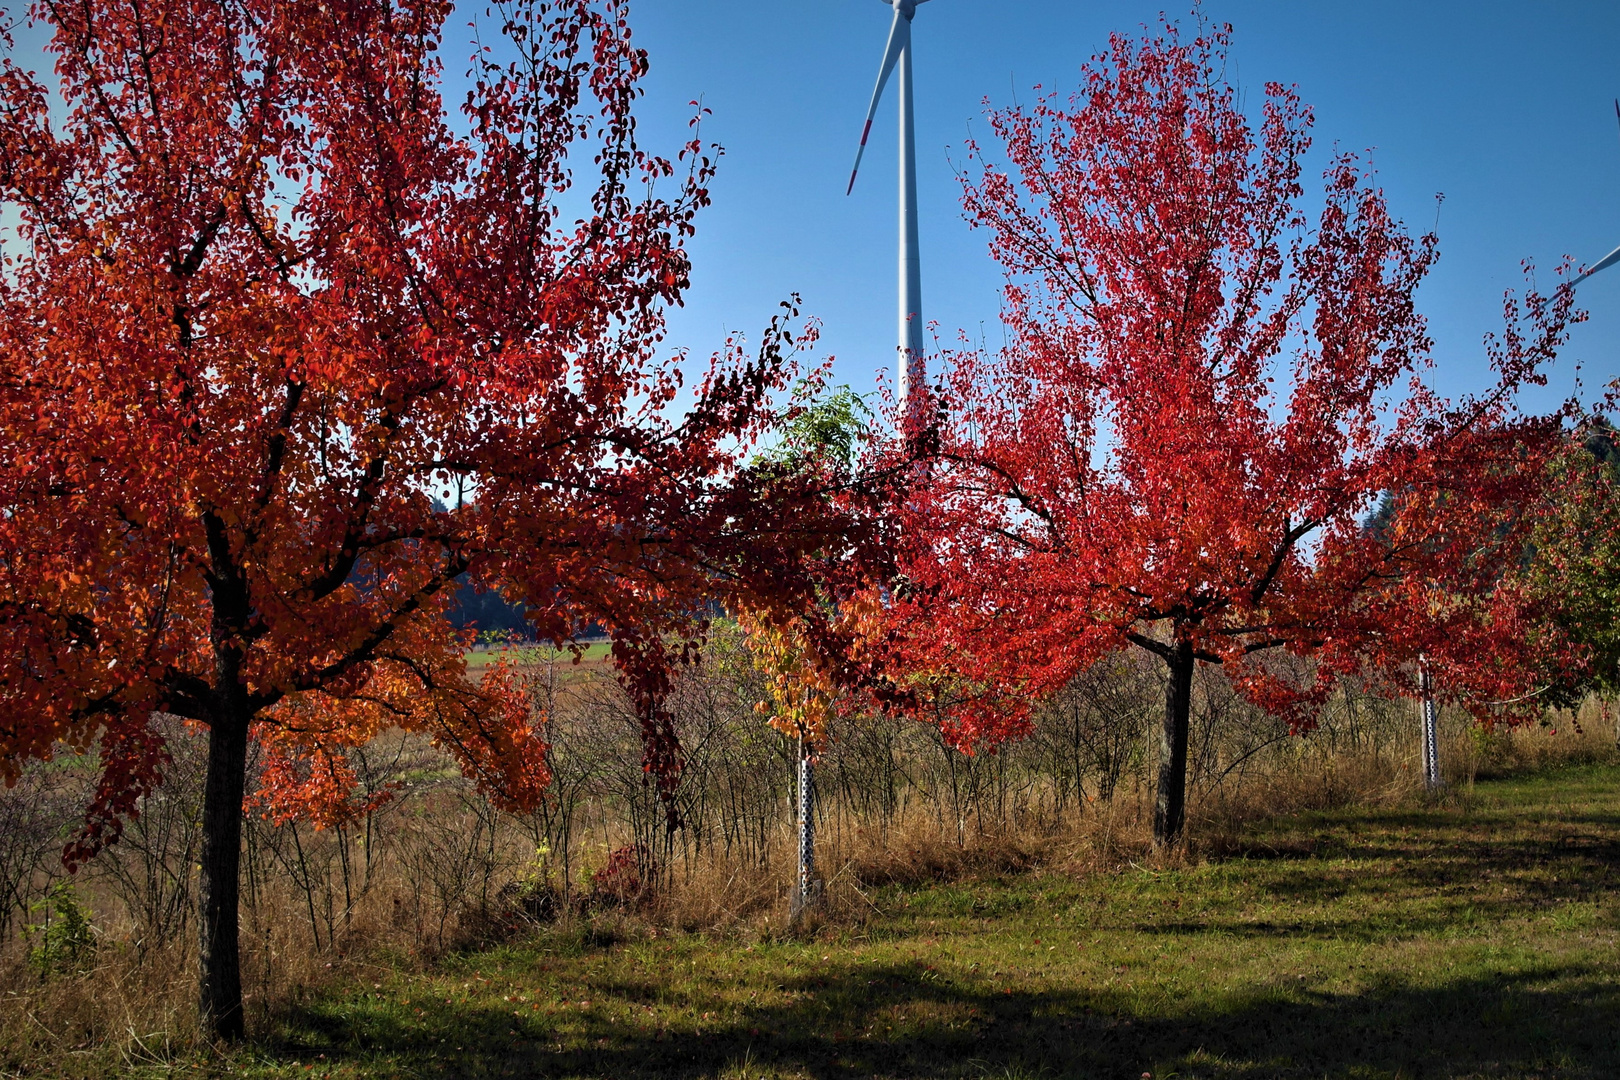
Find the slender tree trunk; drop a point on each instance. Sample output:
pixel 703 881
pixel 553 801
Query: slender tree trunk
pixel 219 1009
pixel 1170 813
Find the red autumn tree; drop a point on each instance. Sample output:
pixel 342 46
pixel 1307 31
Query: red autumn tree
pixel 290 345
pixel 1201 399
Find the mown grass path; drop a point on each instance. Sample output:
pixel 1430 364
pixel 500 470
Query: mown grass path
pixel 1467 941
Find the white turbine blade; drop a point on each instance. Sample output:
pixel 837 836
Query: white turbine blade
pixel 899 38
pixel 1607 261
pixel 1614 256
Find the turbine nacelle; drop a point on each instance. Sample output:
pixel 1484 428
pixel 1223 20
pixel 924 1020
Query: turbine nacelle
pixel 907 8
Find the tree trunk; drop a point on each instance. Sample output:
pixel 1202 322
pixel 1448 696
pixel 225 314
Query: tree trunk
pixel 1170 813
pixel 219 1010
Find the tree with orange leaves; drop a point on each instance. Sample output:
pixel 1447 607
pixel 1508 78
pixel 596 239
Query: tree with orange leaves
pixel 291 344
pixel 1202 398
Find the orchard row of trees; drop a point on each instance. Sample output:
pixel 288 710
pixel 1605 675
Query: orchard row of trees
pixel 295 343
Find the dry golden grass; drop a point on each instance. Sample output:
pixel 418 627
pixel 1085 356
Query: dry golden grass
pixel 1583 736
pixel 716 895
pixel 123 1007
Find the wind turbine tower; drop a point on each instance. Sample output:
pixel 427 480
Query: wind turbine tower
pixel 897 54
pixel 910 347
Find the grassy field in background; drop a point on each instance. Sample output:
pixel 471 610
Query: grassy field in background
pixel 595 652
pixel 1469 940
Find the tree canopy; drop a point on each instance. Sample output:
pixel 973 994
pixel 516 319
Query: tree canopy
pixel 271 298
pixel 1203 394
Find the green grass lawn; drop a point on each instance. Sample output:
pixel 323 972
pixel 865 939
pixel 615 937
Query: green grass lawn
pixel 1472 941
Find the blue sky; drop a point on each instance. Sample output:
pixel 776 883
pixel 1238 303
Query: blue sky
pixel 1506 108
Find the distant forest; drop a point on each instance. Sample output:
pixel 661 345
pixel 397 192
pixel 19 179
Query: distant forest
pixel 473 605
pixel 485 610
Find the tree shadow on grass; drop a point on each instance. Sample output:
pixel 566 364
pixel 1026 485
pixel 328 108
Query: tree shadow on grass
pixel 911 1021
pixel 1440 872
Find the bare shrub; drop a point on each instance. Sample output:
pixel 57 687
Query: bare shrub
pixel 36 816
pixel 150 869
pixel 1090 734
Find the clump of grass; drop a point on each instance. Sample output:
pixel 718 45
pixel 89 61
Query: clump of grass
pixel 119 1008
